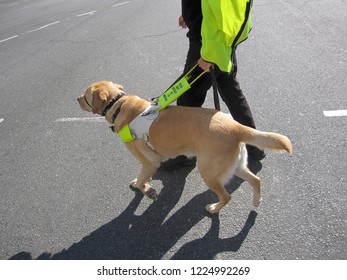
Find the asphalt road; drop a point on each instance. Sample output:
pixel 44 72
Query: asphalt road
pixel 64 184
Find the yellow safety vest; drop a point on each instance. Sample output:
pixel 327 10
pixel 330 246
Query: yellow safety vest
pixel 225 24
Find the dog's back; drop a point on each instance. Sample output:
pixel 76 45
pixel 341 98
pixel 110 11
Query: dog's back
pixel 200 128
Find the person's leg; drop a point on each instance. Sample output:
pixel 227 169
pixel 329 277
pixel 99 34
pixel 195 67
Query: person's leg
pixel 233 97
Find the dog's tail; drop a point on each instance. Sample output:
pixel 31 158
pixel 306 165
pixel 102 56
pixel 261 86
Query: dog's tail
pixel 266 140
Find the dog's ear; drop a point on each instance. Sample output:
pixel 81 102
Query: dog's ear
pixel 98 101
pixel 119 87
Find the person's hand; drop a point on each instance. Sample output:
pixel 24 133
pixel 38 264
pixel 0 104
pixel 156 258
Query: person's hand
pixel 204 65
pixel 181 22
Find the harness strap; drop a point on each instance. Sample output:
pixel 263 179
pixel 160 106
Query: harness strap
pixel 125 134
pixel 139 127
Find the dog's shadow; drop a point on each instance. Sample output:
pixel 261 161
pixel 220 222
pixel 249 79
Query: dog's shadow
pixel 151 235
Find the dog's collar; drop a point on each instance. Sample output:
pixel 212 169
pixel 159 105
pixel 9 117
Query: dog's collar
pixel 115 115
pixel 113 101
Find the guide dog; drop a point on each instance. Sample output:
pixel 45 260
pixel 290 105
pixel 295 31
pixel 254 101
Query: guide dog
pixel 214 138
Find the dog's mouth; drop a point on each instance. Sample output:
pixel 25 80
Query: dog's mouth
pixel 84 104
pixel 85 99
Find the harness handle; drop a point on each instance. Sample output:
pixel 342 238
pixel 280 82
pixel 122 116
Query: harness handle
pixel 182 84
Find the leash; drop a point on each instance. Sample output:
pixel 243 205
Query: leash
pixel 215 89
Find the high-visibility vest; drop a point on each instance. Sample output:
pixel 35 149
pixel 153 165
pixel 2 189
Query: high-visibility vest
pixel 225 24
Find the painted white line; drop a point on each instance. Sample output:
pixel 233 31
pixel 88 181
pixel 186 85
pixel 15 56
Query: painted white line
pixel 86 14
pixel 335 113
pixel 4 40
pixel 95 119
pixel 1 120
pixel 42 27
pixel 11 5
pixel 120 4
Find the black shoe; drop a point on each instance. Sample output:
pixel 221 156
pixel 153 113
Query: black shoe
pixel 255 153
pixel 175 163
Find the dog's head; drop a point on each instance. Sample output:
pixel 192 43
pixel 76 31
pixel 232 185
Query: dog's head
pixel 97 96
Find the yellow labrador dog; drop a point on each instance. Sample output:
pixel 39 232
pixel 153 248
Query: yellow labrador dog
pixel 217 141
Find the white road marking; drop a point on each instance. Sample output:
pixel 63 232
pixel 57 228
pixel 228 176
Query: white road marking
pixel 120 4
pixel 42 27
pixel 52 23
pixel 335 113
pixel 95 119
pixel 4 40
pixel 86 14
pixel 1 120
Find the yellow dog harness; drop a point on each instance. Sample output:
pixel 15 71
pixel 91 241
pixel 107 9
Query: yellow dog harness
pixel 139 127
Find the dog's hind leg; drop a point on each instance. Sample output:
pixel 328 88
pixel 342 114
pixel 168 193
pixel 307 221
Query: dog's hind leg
pixel 244 173
pixel 223 196
pixel 214 171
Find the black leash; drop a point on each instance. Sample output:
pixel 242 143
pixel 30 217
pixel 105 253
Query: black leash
pixel 215 89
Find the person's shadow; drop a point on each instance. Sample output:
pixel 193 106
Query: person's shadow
pixel 151 235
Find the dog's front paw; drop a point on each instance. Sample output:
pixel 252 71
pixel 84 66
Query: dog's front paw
pixel 146 189
pixel 151 193
pixel 133 183
pixel 256 201
pixel 212 208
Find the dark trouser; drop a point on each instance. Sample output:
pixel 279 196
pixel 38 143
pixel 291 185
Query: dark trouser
pixel 229 88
